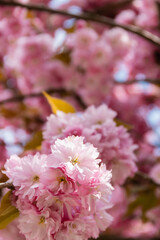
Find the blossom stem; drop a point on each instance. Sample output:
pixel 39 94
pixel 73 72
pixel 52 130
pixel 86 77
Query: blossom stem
pixel 6 185
pixel 116 237
pixel 88 16
pixel 62 91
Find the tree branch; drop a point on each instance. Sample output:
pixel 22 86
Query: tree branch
pixel 6 185
pixel 117 237
pixel 151 81
pixel 111 8
pixel 39 94
pixel 88 17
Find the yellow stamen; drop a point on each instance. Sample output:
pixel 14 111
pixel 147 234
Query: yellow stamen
pixel 61 179
pixel 42 220
pixel 36 178
pixel 74 161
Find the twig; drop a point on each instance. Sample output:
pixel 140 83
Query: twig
pixel 117 237
pixel 6 185
pixel 146 177
pixel 138 178
pixel 39 94
pixel 151 81
pixel 88 17
pixel 158 7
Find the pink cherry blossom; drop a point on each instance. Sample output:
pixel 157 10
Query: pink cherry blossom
pixel 38 226
pixel 98 127
pixel 65 191
pixel 27 173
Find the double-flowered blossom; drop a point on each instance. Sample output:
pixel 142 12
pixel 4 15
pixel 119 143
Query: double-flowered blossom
pixel 98 127
pixel 62 195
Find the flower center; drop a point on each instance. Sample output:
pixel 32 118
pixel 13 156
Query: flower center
pixel 42 220
pixel 36 178
pixel 74 225
pixel 59 130
pixel 62 179
pixel 99 122
pixel 74 160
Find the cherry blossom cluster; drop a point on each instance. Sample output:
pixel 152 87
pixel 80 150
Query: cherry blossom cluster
pixel 88 60
pixel 33 67
pixel 125 100
pixel 98 127
pixel 62 195
pixel 89 64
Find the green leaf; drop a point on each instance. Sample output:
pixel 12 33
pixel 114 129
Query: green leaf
pixel 58 104
pixel 35 141
pixel 8 212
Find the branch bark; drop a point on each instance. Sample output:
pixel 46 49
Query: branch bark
pixel 117 237
pixel 112 8
pixel 151 81
pixel 6 185
pixel 40 94
pixel 88 16
pixel 63 91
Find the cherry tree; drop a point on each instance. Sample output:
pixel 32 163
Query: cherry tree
pixel 79 119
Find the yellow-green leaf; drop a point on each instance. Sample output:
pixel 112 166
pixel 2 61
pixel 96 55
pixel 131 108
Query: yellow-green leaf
pixel 70 29
pixel 35 141
pixel 2 76
pixel 64 57
pixel 121 123
pixel 8 212
pixel 59 105
pixel 29 15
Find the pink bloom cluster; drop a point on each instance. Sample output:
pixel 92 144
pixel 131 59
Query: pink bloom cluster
pixel 63 195
pixel 98 127
pixel 126 100
pixel 31 67
pixel 95 54
pixel 87 61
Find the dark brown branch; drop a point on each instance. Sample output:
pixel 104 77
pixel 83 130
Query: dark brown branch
pixel 146 178
pixel 111 8
pixel 49 91
pixel 158 8
pixel 6 185
pixel 117 237
pixel 88 17
pixel 151 81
